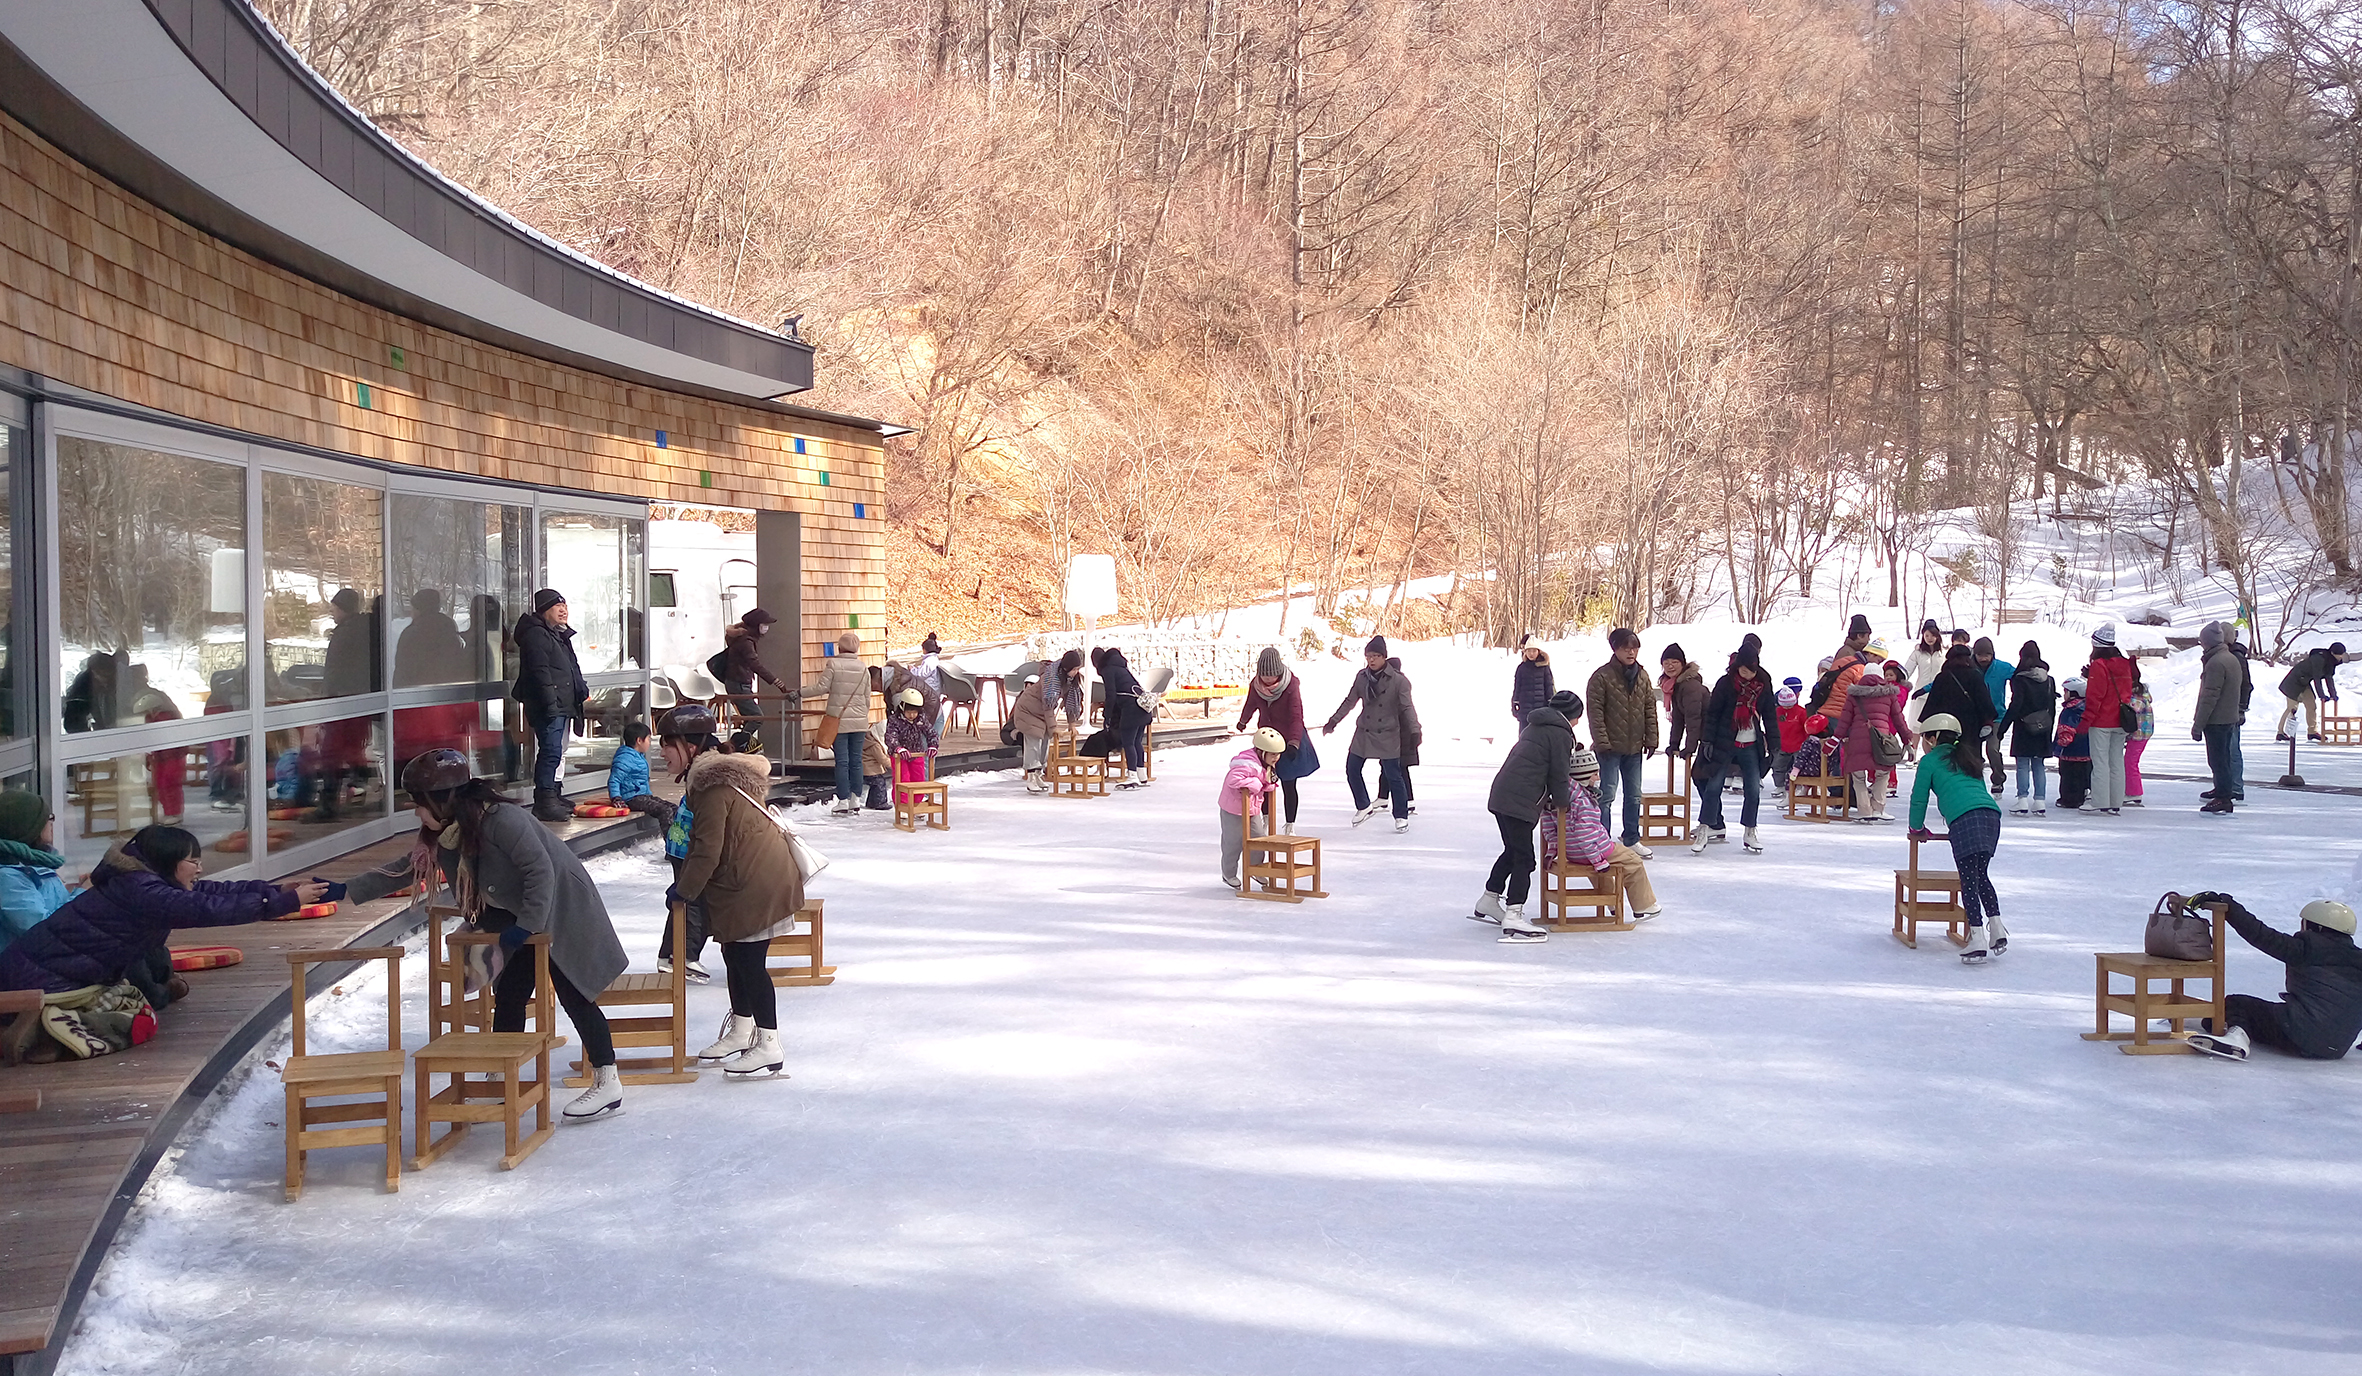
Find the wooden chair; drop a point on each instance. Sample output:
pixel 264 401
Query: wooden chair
pixel 2339 729
pixel 1822 797
pixel 2144 1003
pixel 1070 774
pixel 667 991
pixel 925 800
pixel 793 958
pixel 1928 896
pixel 1578 898
pixel 449 1005
pixel 365 1085
pixel 24 1007
pixel 1277 868
pixel 1666 816
pixel 502 1057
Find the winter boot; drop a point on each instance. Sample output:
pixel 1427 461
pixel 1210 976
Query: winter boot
pixel 605 1096
pixel 1750 844
pixel 1489 909
pixel 737 1035
pixel 1514 927
pixel 549 805
pixel 1980 946
pixel 762 1058
pixel 2220 807
pixel 2231 1045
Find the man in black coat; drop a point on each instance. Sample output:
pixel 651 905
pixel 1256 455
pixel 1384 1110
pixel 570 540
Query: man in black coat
pixel 2323 1011
pixel 552 689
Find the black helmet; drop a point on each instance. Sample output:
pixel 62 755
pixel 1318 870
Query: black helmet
pixel 690 720
pixel 1566 704
pixel 436 771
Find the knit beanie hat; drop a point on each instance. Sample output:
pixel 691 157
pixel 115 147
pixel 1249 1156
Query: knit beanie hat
pixel 1566 704
pixel 21 816
pixel 1984 646
pixel 1793 684
pixel 2212 636
pixel 1860 625
pixel 1786 697
pixel 546 599
pixel 2105 635
pixel 1377 646
pixel 1582 764
pixel 1268 665
pixel 1673 651
pixel 1828 662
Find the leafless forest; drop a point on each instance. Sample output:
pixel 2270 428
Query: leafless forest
pixel 1635 304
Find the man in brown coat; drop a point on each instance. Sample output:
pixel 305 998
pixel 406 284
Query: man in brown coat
pixel 1623 710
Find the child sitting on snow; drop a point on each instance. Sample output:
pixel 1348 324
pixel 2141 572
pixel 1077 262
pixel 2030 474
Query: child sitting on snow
pixel 2323 1011
pixel 1582 837
pixel 1244 788
pixel 2074 750
pixel 1791 717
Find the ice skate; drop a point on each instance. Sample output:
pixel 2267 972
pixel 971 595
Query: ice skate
pixel 2041 809
pixel 605 1096
pixel 2000 933
pixel 1644 914
pixel 1701 839
pixel 1750 844
pixel 2231 1045
pixel 1365 814
pixel 1489 909
pixel 696 973
pixel 2133 802
pixel 2022 807
pixel 1033 781
pixel 764 1058
pixel 1643 851
pixel 1402 824
pixel 1514 927
pixel 1980 946
pixel 737 1035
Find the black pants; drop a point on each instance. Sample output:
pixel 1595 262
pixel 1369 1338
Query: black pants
pixel 514 989
pixel 150 971
pixel 2266 1022
pixel 1513 873
pixel 695 925
pixel 1132 730
pixel 752 994
pixel 2074 783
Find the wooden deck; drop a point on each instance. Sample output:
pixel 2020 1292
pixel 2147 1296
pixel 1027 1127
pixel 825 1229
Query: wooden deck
pixel 70 1169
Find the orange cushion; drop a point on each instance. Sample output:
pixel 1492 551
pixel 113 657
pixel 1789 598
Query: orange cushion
pixel 601 810
pixel 205 957
pixel 310 910
pixel 285 814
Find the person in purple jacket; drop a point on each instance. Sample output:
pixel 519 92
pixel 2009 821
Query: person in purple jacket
pixel 144 890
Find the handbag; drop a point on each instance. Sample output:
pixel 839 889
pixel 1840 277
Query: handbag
pixel 2128 718
pixel 1299 760
pixel 809 861
pixel 1886 748
pixel 2178 933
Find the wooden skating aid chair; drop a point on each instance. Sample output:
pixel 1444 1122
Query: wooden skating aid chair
pixel 1666 816
pixel 925 800
pixel 1578 898
pixel 1822 797
pixel 2142 1002
pixel 1275 867
pixel 793 958
pixel 667 1028
pixel 1928 896
pixel 2339 729
pixel 1070 774
pixel 502 1057
pixel 365 1085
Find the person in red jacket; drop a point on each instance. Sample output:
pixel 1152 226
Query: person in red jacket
pixel 2108 713
pixel 1791 718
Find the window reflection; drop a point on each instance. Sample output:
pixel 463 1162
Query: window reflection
pixel 180 786
pixel 325 778
pixel 458 567
pixel 595 561
pixel 323 562
pixel 151 582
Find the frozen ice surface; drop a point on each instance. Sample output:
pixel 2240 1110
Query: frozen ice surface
pixel 1072 1107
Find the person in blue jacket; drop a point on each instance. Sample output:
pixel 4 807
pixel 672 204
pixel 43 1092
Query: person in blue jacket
pixel 29 887
pixel 1997 672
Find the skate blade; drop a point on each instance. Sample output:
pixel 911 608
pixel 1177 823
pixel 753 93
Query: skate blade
pixel 1480 917
pixel 768 1072
pixel 2208 1046
pixel 606 1111
pixel 1514 938
pixel 1976 957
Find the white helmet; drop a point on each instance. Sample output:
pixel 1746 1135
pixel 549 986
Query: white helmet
pixel 1269 741
pixel 911 697
pixel 2328 912
pixel 1941 721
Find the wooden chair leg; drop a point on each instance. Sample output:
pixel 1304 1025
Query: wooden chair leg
pixel 294 1119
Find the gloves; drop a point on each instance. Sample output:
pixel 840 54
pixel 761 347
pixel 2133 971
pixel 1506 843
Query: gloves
pixel 672 895
pixel 512 937
pixel 1920 834
pixel 2197 733
pixel 335 892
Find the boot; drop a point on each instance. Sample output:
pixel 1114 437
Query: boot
pixel 737 1035
pixel 1489 909
pixel 605 1096
pixel 1514 927
pixel 2220 807
pixel 764 1057
pixel 1705 836
pixel 1750 843
pixel 550 805
pixel 2000 933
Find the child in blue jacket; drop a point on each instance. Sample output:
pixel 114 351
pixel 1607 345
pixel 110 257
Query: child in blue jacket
pixel 29 887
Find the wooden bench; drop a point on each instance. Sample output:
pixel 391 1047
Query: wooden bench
pixel 1286 863
pixel 2144 1003
pixel 502 1057
pixel 1821 797
pixel 1569 885
pixel 1928 896
pixel 1666 816
pixel 1207 696
pixel 365 1085
pixel 2014 616
pixel 925 800
pixel 793 958
pixel 668 1029
pixel 1072 775
pixel 2339 729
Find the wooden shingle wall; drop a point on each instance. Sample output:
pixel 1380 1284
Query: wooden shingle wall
pixel 103 291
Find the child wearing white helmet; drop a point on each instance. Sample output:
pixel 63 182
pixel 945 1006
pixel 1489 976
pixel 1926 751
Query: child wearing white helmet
pixel 1954 770
pixel 1244 789
pixel 2322 1013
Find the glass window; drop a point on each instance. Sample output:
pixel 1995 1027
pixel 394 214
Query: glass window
pixel 151 582
pixel 460 584
pixel 10 438
pixel 472 729
pixel 200 786
pixel 323 547
pixel 325 778
pixel 660 590
pixel 606 714
pixel 595 562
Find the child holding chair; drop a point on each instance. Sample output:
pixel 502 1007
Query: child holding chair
pixel 1953 769
pixel 911 737
pixel 1245 787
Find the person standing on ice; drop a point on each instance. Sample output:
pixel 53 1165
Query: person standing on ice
pixel 1533 683
pixel 843 687
pixel 1623 728
pixel 1276 699
pixel 1034 715
pixel 1952 769
pixel 1127 718
pixel 1387 716
pixel 742 871
pixel 1996 672
pixel 2219 714
pixel 1244 788
pixel 1736 736
pixel 1872 706
pixel 2033 712
pixel 2074 748
pixel 1791 718
pixel 2322 1013
pixel 516 879
pixel 1536 775
pixel 1926 657
pixel 2136 741
pixel 2107 718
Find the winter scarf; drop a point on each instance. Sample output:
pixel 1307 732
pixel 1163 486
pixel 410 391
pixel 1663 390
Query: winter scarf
pixel 1272 693
pixel 1749 691
pixel 18 853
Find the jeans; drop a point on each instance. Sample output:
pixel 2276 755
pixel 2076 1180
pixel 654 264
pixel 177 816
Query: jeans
pixel 2107 767
pixel 1513 873
pixel 848 763
pixel 1749 764
pixel 1993 760
pixel 2238 763
pixel 1623 770
pixel 551 736
pixel 2038 768
pixel 2222 745
pixel 1389 773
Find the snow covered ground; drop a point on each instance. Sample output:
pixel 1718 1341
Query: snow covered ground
pixel 1072 1107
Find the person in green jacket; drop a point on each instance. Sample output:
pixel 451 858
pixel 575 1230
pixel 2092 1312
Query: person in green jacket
pixel 1953 770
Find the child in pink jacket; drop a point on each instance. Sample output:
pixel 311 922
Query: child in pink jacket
pixel 1586 841
pixel 1244 788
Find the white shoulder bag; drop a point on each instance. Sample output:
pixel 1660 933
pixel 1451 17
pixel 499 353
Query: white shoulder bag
pixel 809 861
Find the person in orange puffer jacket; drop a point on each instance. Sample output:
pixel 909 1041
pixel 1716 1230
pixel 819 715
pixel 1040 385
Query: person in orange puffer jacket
pixel 2108 715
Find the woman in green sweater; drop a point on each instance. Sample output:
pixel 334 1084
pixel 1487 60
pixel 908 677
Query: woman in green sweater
pixel 1953 769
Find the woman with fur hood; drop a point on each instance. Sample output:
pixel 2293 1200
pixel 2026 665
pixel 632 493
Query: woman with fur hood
pixel 742 869
pixel 1872 705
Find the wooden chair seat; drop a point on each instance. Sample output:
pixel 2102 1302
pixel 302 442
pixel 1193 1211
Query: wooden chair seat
pixel 506 1095
pixel 1072 775
pixel 1578 898
pixel 364 1087
pixel 793 958
pixel 2143 1003
pixel 1923 895
pixel 348 1065
pixel 667 1030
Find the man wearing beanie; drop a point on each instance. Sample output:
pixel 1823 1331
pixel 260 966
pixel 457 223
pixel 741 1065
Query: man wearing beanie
pixel 552 689
pixel 2217 719
pixel 29 887
pixel 1623 700
pixel 1388 721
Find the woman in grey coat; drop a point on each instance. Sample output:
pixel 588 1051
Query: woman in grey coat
pixel 514 877
pixel 1388 722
